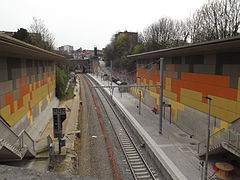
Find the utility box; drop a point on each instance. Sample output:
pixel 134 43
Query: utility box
pixel 59 115
pixel 105 77
pixel 122 89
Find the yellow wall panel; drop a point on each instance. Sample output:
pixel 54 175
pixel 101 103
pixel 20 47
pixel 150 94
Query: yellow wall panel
pixel 194 104
pixel 168 84
pixel 5 113
pixel 170 95
pixel 26 99
pixel 176 105
pixel 238 107
pixel 153 89
pixel 40 107
pixel 223 124
pixel 48 99
pixel 15 106
pixel 18 114
pixel 191 94
pixel 238 97
pixel 224 104
pixel 224 114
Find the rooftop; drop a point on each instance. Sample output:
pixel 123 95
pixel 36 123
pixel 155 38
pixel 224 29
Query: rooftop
pixel 17 48
pixel 215 46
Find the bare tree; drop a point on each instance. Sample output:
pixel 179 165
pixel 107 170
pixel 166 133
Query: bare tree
pixel 215 20
pixel 40 35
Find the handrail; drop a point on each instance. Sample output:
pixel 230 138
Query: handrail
pixel 20 140
pixel 5 124
pixel 226 135
pixel 211 135
pixel 28 137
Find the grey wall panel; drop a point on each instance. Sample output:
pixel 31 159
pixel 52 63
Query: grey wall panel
pixel 210 59
pixel 6 87
pixel 204 68
pixel 182 67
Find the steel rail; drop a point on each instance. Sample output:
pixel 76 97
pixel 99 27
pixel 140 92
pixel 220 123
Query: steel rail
pixel 135 159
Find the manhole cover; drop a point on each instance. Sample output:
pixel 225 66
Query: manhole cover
pixel 183 135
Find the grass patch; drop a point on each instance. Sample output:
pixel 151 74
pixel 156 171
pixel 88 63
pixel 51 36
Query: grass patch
pixel 70 93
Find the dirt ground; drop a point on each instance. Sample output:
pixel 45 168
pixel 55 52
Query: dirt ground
pixel 93 160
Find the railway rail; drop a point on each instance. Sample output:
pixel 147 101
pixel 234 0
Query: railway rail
pixel 138 165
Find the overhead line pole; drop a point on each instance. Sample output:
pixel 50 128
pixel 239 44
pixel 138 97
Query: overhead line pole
pixel 111 80
pixel 161 94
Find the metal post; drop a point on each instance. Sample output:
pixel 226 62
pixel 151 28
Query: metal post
pixel 170 114
pixel 139 102
pixel 111 79
pixel 208 137
pixel 161 95
pixel 139 106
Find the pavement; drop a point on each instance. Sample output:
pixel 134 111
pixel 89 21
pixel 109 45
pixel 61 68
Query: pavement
pixel 69 130
pixel 174 150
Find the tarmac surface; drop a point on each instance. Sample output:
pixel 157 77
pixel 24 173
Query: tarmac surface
pixel 175 150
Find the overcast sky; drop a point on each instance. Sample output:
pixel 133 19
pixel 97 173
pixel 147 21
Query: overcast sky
pixel 89 23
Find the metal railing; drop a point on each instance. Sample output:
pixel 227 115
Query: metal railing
pixel 223 135
pixel 23 140
pixel 7 133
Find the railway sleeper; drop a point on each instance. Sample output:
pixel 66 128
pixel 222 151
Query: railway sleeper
pixel 130 149
pixel 142 174
pixel 137 163
pixel 140 170
pixel 132 153
pixel 138 166
pixel 135 160
pixel 134 157
pixel 145 177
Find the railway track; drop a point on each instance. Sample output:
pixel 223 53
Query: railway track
pixel 138 166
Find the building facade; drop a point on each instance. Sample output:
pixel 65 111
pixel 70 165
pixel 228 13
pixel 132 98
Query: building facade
pixel 27 85
pixel 207 69
pixel 66 49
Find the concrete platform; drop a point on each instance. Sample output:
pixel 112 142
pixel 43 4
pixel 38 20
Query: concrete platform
pixel 174 150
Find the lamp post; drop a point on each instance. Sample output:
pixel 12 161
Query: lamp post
pixel 208 136
pixel 161 95
pixel 111 81
pixel 139 102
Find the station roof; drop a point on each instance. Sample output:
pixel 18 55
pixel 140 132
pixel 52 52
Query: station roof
pixel 215 46
pixel 15 48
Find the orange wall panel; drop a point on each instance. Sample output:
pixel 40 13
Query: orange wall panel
pixel 9 98
pixel 214 80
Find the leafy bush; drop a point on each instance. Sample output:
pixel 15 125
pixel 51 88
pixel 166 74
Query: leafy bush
pixel 61 82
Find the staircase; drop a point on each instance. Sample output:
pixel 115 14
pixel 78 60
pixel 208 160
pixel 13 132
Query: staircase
pixel 14 147
pixel 220 141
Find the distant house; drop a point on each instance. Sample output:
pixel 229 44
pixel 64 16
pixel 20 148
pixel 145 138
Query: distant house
pixel 66 50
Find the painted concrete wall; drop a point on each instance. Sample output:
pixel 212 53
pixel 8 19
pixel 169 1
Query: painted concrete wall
pixel 27 87
pixel 184 91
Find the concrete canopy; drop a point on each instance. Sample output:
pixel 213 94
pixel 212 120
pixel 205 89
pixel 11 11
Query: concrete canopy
pixel 16 48
pixel 215 46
